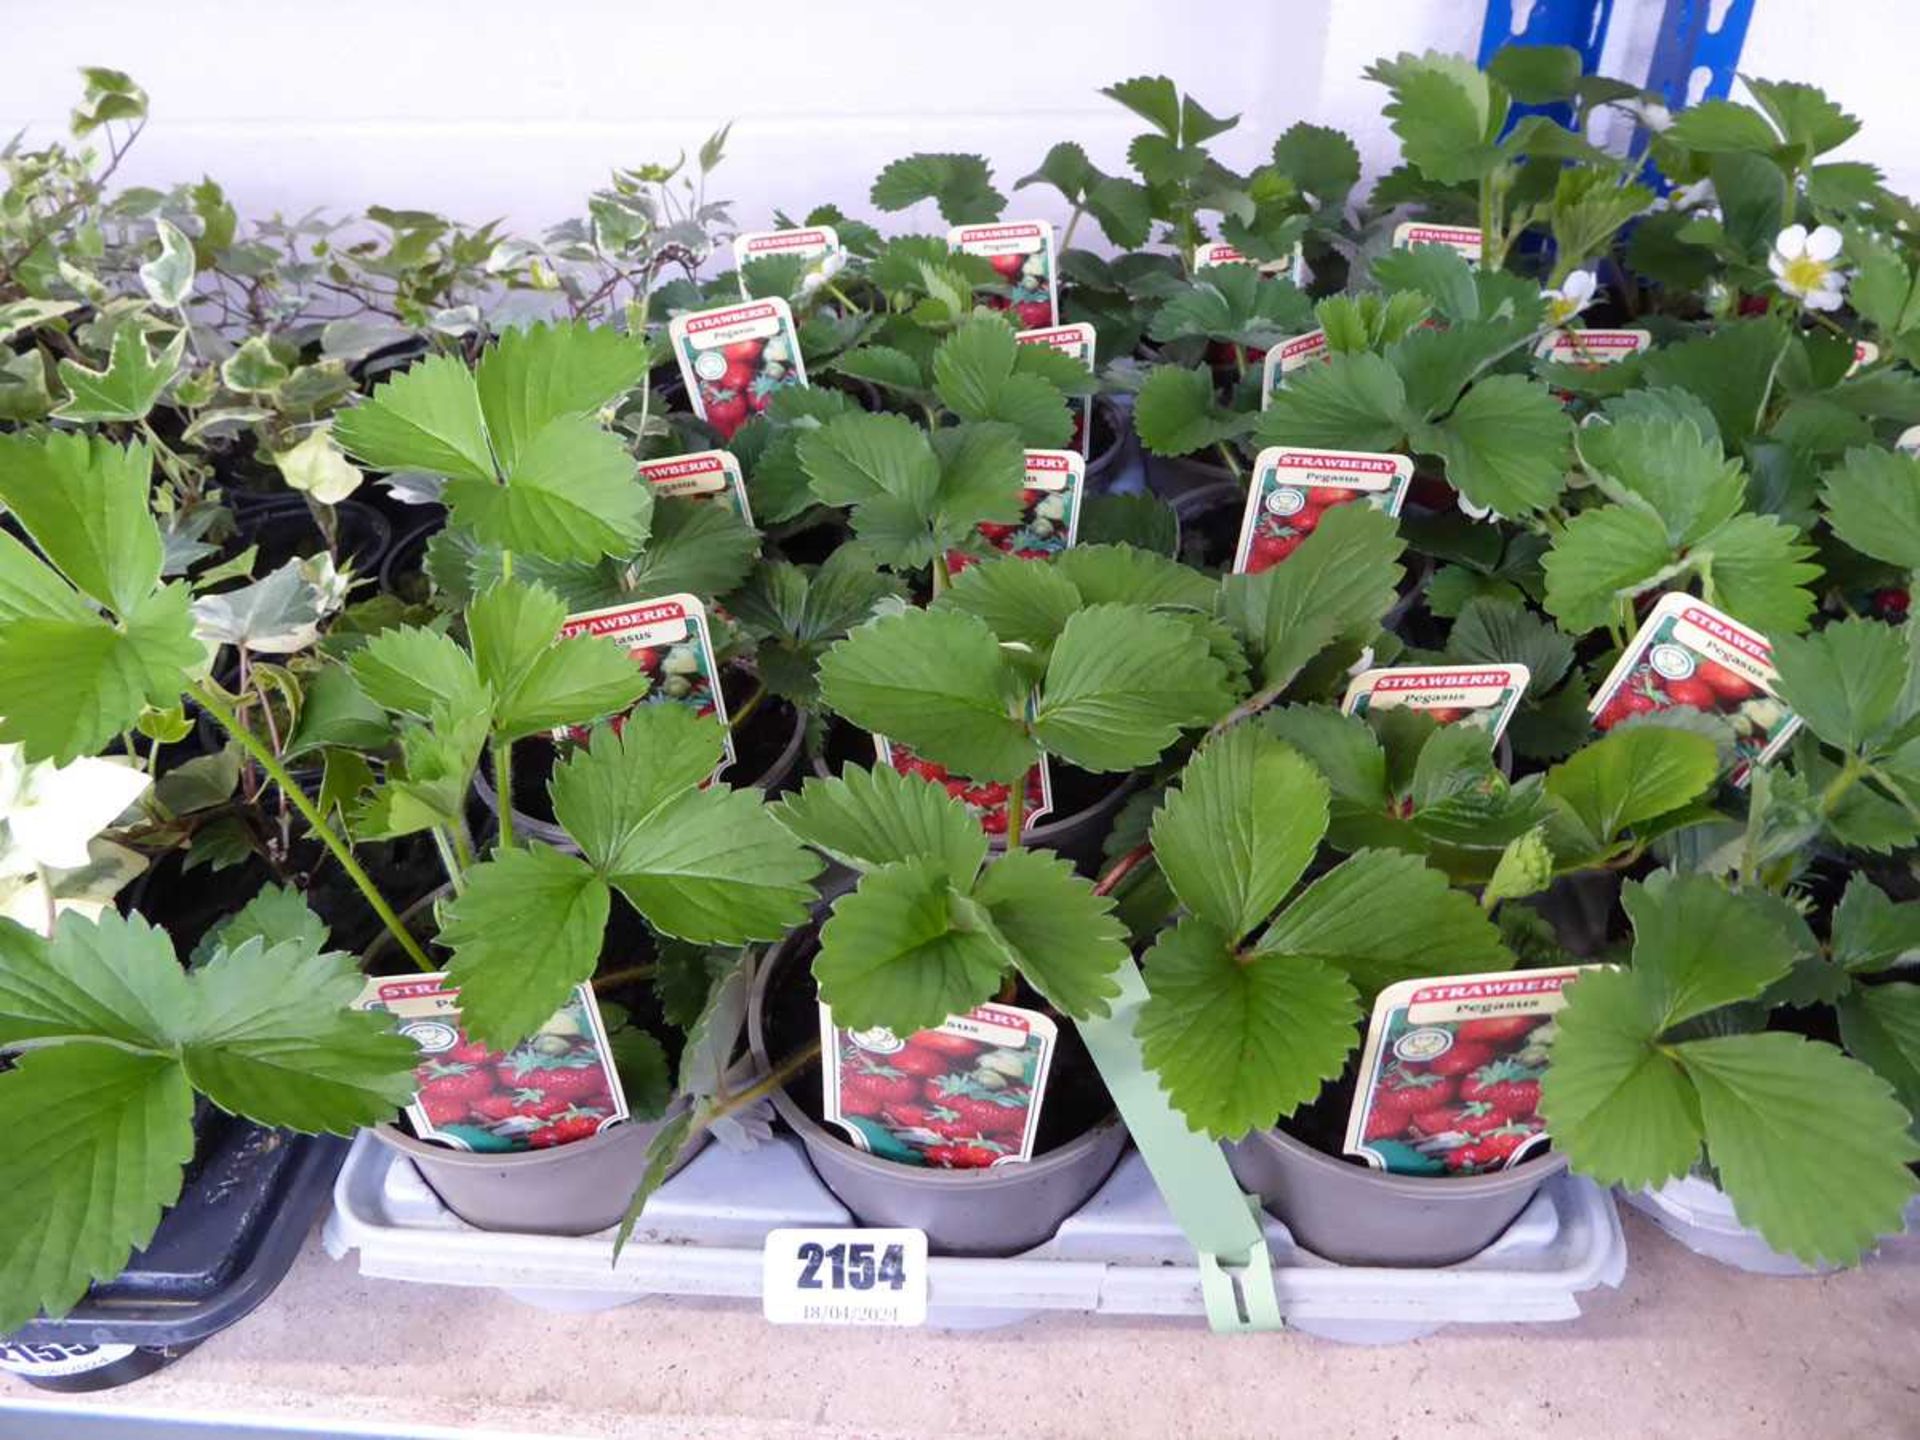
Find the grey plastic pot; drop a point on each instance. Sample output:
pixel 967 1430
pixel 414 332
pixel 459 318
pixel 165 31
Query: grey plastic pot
pixel 573 1189
pixel 1104 464
pixel 775 776
pixel 995 1212
pixel 1357 1216
pixel 1172 478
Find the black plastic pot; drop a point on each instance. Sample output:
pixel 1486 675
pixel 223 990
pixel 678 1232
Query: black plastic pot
pixel 1107 447
pixel 403 572
pixel 249 1200
pixel 1002 1210
pixel 284 529
pixel 784 760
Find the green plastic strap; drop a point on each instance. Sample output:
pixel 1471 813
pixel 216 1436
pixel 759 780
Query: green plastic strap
pixel 1236 1272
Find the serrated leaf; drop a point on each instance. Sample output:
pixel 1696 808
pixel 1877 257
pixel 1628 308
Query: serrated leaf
pixel 1601 558
pixel 1614 1101
pixel 1698 946
pixel 1341 580
pixel 1880 1026
pixel 413 671
pixel 1381 917
pixel 526 930
pixel 1872 501
pixel 1504 632
pixel 85 503
pixel 127 389
pixel 1505 444
pixel 115 978
pixel 1321 162
pixel 1121 685
pixel 1064 938
pixel 1870 931
pixel 867 818
pixel 905 950
pixel 1239 1042
pixel 571 495
pixel 1631 776
pixel 617 786
pixel 1352 402
pixel 1759 570
pixel 1175 413
pixel 77 1197
pixel 1154 98
pixel 1719 126
pixel 1021 602
pixel 976 375
pixel 1144 522
pixel 1732 370
pixel 882 365
pixel 426 418
pixel 275 914
pixel 1811 1147
pixel 530 377
pixel 1670 466
pixel 1125 574
pixel 539 681
pixel 961 186
pixel 1236 835
pixel 934 680
pixel 1848 682
pixel 1442 111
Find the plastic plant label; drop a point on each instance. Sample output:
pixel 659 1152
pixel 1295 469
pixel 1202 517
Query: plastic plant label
pixel 671 640
pixel 986 800
pixel 1292 487
pixel 1464 239
pixel 1865 353
pixel 1050 503
pixel 823 1276
pixel 965 1095
pixel 1288 356
pixel 734 358
pixel 809 243
pixel 1021 253
pixel 1482 696
pixel 707 475
pixel 1591 349
pixel 1449 1079
pixel 53 1360
pixel 1219 252
pixel 1077 341
pixel 1691 656
pixel 557 1086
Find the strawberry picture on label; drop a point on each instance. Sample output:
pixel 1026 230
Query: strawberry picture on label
pixel 964 1095
pixel 1050 503
pixel 1691 656
pixel 989 800
pixel 735 358
pixel 1026 281
pixel 556 1087
pixel 1449 1078
pixel 1293 487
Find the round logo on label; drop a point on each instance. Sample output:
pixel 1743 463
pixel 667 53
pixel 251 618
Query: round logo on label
pixel 1426 1043
pixel 1287 500
pixel 710 366
pixel 1673 661
pixel 879 1040
pixel 432 1036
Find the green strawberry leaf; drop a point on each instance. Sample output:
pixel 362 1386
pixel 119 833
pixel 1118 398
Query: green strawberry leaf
pixel 1445 112
pixel 1505 444
pixel 532 376
pixel 127 389
pixel 1871 932
pixel 526 930
pixel 936 681
pixel 1872 501
pixel 1848 682
pixel 1491 631
pixel 1628 778
pixel 961 186
pixel 695 548
pixel 426 418
pixel 1339 582
pixel 1120 686
pixel 539 681
pixel 1175 413
pixel 1669 467
pixel 795 615
pixel 1236 835
pixel 1758 569
pixel 571 495
pixel 1234 304
pixel 867 818
pixel 1381 917
pixel 1880 1026
pixel 607 792
pixel 906 950
pixel 1698 946
pixel 1601 558
pixel 1021 602
pixel 1239 1042
pixel 1811 1147
pixel 414 671
pixel 84 502
pixel 976 374
pixel 1064 938
pixel 1352 402
pixel 1125 574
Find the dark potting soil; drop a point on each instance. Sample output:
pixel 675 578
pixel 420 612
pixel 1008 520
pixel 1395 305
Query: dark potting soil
pixel 810 540
pixel 403 573
pixel 284 529
pixel 1076 1097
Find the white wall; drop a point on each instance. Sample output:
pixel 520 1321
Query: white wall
pixel 486 108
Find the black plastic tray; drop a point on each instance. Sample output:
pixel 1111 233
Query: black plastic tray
pixel 247 1203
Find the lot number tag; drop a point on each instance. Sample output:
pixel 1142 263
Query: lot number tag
pixel 830 1276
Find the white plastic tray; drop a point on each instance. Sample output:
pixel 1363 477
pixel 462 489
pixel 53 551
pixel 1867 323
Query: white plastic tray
pixel 1697 1213
pixel 1120 1255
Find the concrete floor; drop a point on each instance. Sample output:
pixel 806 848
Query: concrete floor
pixel 1686 1348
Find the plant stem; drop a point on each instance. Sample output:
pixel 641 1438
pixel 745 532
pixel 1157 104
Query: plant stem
pixel 269 762
pixel 1073 221
pixel 1850 772
pixel 622 976
pixel 456 872
pixel 748 706
pixel 1124 867
pixel 503 789
pixel 767 1083
pixel 1247 708
pixel 1016 812
pixel 941 577
pixel 1233 465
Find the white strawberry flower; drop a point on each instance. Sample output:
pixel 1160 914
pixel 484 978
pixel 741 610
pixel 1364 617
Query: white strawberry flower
pixel 1575 294
pixel 1363 664
pixel 50 817
pixel 1650 113
pixel 822 270
pixel 1476 512
pixel 1803 266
